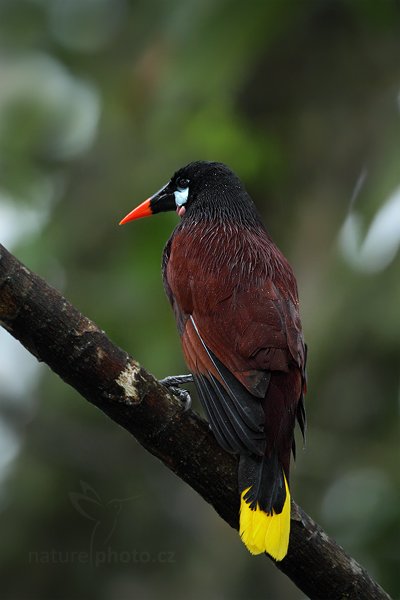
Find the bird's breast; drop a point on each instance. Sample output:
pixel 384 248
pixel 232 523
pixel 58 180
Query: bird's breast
pixel 228 254
pixel 206 264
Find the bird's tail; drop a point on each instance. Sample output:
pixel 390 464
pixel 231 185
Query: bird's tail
pixel 264 506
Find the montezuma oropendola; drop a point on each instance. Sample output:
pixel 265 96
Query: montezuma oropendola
pixel 236 305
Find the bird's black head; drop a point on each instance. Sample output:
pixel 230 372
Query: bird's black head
pixel 200 190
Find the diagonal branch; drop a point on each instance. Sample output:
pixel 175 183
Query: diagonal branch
pixel 83 356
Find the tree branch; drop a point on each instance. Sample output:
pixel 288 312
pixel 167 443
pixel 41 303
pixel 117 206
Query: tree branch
pixel 83 356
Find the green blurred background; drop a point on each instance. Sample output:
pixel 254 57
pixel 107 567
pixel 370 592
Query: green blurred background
pixel 100 102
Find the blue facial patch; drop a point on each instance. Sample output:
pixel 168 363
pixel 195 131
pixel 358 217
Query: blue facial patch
pixel 181 196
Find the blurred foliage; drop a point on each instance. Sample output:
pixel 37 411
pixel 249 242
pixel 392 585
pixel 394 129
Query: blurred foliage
pixel 100 101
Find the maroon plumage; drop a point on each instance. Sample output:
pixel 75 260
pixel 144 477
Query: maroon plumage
pixel 236 305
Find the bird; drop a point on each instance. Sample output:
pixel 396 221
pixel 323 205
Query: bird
pixel 236 305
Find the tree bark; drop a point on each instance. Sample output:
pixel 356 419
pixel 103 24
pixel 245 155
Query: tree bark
pixel 83 356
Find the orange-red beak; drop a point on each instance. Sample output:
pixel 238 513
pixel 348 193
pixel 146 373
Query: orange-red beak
pixel 143 210
pixel 161 201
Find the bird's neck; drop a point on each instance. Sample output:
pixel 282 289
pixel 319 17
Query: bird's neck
pixel 229 209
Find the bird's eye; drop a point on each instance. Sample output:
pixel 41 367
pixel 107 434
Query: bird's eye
pixel 182 184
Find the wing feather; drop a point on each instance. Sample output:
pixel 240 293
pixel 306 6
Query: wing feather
pixel 236 416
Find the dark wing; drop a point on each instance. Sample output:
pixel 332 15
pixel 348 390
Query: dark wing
pixel 236 415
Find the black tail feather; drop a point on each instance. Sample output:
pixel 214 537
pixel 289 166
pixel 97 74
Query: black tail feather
pixel 264 477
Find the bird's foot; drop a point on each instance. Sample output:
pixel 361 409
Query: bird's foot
pixel 172 382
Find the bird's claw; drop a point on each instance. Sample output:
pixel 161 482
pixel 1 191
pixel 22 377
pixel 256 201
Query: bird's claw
pixel 172 382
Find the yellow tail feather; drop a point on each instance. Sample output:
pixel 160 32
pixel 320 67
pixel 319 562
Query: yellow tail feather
pixel 261 532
